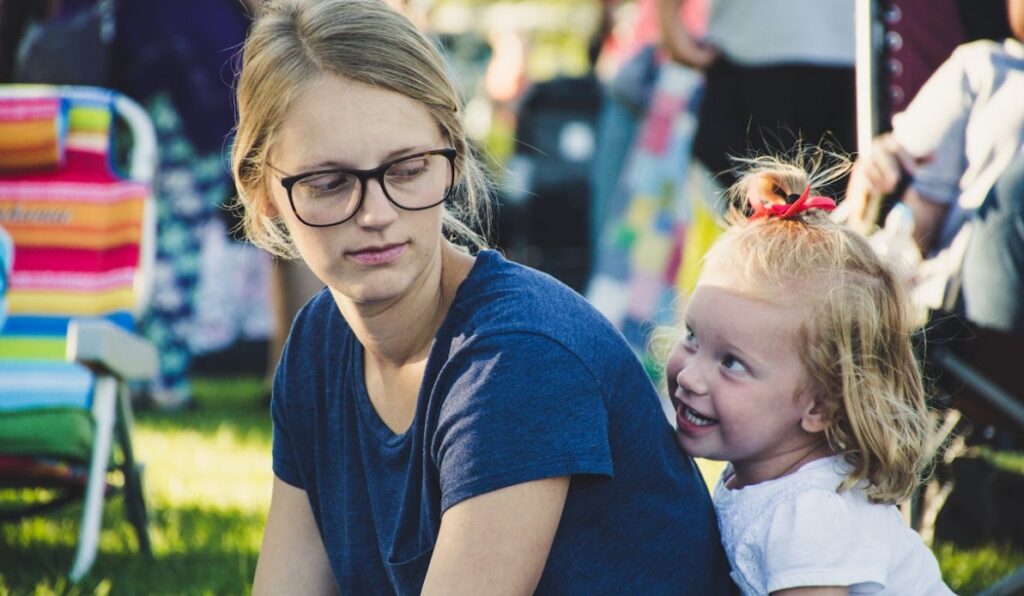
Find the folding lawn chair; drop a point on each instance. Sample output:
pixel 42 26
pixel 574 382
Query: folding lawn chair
pixel 82 236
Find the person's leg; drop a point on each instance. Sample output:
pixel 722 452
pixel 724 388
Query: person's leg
pixel 722 122
pixel 992 287
pixel 761 110
pixel 187 187
pixel 616 130
pixel 800 103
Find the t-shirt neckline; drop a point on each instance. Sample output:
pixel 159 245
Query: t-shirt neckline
pixel 371 417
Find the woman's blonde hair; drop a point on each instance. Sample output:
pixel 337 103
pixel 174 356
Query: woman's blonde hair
pixel 292 43
pixel 856 342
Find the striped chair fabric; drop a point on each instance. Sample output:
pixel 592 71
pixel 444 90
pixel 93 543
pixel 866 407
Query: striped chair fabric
pixel 77 228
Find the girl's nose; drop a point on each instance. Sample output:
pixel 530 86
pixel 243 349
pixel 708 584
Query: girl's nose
pixel 690 378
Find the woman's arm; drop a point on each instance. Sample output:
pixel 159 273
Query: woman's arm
pixel 681 46
pixel 498 542
pixel 292 559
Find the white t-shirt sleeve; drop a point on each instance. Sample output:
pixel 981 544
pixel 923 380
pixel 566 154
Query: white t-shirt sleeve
pixel 933 129
pixel 817 540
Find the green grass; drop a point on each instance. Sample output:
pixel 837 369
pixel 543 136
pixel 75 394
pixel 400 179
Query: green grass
pixel 208 480
pixel 968 571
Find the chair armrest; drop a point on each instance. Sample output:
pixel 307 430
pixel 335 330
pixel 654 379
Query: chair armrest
pixel 97 342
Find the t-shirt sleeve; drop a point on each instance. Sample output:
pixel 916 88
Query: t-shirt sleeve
pixel 816 539
pixel 284 463
pixel 933 128
pixel 519 407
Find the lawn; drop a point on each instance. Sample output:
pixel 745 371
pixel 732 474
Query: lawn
pixel 208 484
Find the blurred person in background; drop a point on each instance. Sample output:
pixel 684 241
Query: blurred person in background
pixel 627 65
pixel 445 421
pixel 954 161
pixel 776 72
pixel 951 148
pixel 175 59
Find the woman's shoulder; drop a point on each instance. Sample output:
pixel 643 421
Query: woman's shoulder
pixel 319 335
pixel 314 316
pixel 506 306
pixel 501 296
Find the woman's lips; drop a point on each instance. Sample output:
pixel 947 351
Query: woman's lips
pixel 378 255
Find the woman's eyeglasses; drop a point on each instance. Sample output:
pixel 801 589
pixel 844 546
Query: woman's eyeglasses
pixel 330 197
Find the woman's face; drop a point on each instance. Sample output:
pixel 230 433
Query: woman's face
pixel 382 251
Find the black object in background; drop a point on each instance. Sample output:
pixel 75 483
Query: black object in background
pixel 544 221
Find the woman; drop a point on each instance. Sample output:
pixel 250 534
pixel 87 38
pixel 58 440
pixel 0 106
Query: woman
pixel 443 423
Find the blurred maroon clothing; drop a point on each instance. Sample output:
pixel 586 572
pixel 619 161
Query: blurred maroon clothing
pixel 919 36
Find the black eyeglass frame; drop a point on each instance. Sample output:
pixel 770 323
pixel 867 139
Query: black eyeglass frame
pixel 364 177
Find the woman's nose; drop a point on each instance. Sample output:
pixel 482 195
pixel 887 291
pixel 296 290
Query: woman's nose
pixel 376 211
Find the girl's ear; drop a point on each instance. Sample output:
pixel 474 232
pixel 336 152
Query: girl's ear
pixel 817 415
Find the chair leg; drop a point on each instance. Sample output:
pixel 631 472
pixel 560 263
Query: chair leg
pixel 134 495
pixel 104 413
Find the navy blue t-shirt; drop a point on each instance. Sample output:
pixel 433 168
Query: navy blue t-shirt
pixel 525 381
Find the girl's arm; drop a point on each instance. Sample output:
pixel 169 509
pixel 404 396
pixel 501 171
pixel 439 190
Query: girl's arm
pixel 814 591
pixel 498 542
pixel 292 559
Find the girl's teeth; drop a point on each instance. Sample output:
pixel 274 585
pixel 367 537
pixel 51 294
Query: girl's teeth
pixel 696 418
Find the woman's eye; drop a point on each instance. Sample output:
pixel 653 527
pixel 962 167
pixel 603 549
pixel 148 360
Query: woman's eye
pixel 323 184
pixel 733 364
pixel 407 169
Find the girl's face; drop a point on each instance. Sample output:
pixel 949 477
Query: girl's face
pixel 382 251
pixel 739 388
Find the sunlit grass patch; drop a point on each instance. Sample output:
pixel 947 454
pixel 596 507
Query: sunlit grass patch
pixel 207 480
pixel 970 570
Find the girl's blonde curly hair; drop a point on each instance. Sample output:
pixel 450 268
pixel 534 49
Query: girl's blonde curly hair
pixel 856 339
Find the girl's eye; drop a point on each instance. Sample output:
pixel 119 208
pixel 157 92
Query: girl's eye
pixel 689 338
pixel 733 364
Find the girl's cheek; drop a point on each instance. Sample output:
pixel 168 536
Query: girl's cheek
pixel 672 368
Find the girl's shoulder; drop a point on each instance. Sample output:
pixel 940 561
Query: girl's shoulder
pixel 800 524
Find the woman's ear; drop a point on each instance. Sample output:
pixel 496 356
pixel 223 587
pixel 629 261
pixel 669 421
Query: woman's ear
pixel 817 415
pixel 268 208
pixel 264 200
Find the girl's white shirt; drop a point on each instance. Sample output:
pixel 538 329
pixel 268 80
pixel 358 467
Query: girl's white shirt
pixel 797 530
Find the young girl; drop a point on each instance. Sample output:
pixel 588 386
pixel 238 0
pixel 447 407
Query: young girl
pixel 796 368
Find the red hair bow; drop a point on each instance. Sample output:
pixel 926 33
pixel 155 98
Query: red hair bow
pixel 787 210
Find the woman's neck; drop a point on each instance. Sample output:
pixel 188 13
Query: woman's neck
pixel 402 331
